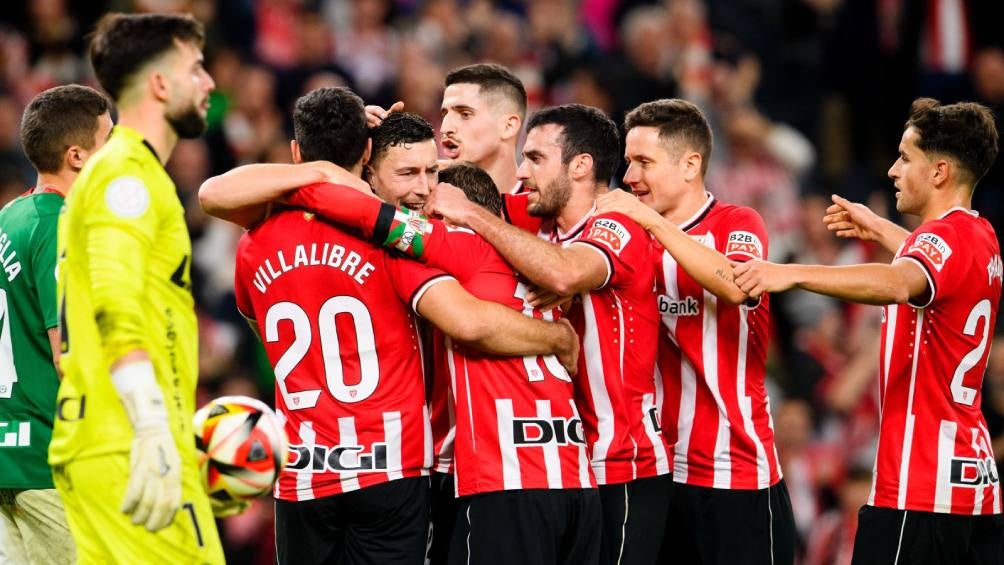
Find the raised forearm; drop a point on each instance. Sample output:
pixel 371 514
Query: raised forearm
pixel 550 266
pixel 872 283
pixel 242 195
pixel 891 235
pixel 706 265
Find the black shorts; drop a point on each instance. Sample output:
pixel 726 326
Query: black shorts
pixel 444 516
pixel 386 523
pixel 710 526
pixel 887 535
pixel 632 513
pixel 528 527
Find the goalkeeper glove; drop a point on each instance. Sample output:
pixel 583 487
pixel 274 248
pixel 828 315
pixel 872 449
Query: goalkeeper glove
pixel 153 492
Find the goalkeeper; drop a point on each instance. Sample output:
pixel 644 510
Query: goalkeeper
pixel 122 447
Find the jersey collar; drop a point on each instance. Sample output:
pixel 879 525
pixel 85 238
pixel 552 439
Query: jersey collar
pixel 972 213
pixel 135 137
pixel 700 214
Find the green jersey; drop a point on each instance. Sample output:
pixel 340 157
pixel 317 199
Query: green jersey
pixel 28 379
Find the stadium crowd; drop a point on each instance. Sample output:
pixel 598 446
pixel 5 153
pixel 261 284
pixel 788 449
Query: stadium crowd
pixel 805 97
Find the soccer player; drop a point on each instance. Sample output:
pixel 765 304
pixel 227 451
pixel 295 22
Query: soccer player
pixel 348 365
pixel 523 475
pixel 61 128
pixel 712 353
pixel 606 260
pixel 122 452
pixel 483 109
pixel 936 494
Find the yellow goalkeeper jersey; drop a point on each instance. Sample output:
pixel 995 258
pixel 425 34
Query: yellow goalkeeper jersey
pixel 124 284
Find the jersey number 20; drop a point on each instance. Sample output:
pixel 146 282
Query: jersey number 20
pixel 369 365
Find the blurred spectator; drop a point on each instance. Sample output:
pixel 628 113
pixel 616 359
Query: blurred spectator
pixel 368 50
pixel 831 539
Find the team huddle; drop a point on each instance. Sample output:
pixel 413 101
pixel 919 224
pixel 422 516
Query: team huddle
pixel 492 358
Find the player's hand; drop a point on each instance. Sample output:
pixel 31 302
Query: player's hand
pixel 568 355
pixel 628 204
pixel 451 204
pixel 543 299
pixel 757 277
pixel 852 220
pixel 228 508
pixel 375 115
pixel 153 493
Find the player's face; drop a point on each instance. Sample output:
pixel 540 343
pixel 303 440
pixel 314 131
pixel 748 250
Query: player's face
pixel 103 132
pixel 190 88
pixel 472 124
pixel 544 176
pixel 406 174
pixel 911 175
pixel 654 174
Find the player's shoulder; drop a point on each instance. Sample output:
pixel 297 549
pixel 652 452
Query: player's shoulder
pixel 725 214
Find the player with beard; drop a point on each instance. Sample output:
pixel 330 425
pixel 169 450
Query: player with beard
pixel 483 109
pixel 713 351
pixel 569 154
pixel 122 452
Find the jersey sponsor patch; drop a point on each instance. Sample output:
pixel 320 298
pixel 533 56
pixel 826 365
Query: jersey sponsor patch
pixel 744 243
pixel 127 197
pixel 933 248
pixel 611 233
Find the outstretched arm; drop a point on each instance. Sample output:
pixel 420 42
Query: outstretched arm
pixel 872 283
pixel 243 195
pixel 563 270
pixel 853 219
pixel 706 265
pixel 494 328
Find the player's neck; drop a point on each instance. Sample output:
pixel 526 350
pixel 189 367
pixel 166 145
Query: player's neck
pixel 502 168
pixel 579 204
pixel 148 120
pixel 959 198
pixel 687 205
pixel 60 181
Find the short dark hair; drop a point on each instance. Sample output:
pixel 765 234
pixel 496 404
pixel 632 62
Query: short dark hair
pixel 676 120
pixel 964 132
pixel 57 119
pixel 584 130
pixel 476 183
pixel 122 44
pixel 494 79
pixel 398 128
pixel 330 124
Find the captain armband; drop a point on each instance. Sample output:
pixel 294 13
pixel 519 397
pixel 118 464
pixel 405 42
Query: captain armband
pixel 403 230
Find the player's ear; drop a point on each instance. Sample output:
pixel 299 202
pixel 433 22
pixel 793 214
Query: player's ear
pixel 581 166
pixel 691 162
pixel 510 126
pixel 294 148
pixel 940 170
pixel 367 153
pixel 75 157
pixel 159 85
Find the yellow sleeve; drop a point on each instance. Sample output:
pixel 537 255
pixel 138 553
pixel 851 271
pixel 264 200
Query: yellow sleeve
pixel 121 228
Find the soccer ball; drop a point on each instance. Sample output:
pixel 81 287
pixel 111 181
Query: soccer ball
pixel 242 447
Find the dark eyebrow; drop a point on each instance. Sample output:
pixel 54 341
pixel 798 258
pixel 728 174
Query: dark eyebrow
pixel 533 153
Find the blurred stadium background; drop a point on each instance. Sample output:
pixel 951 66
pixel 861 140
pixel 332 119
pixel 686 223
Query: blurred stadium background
pixel 806 97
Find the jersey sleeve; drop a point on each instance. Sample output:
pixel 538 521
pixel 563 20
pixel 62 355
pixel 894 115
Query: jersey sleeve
pixel 742 236
pixel 122 219
pixel 516 211
pixel 410 279
pixel 340 204
pixel 931 247
pixel 623 243
pixel 43 269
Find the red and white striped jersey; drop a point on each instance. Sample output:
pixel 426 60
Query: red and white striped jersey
pixel 333 313
pixel 442 417
pixel 517 425
pixel 712 361
pixel 616 389
pixel 934 451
